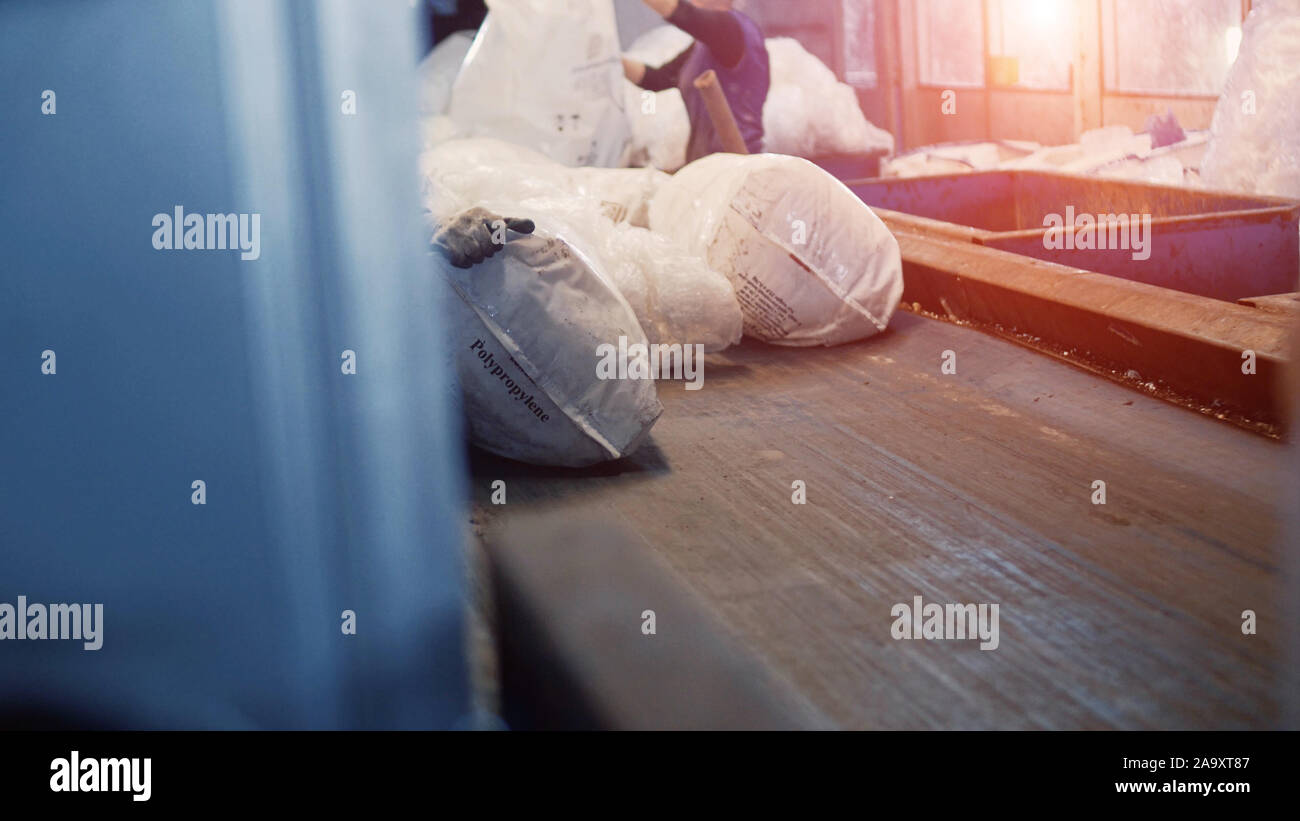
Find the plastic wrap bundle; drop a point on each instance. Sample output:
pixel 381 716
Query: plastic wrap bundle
pixel 1114 152
pixel 1174 164
pixel 659 45
pixel 809 113
pixel 810 262
pixel 661 128
pixel 1164 169
pixel 525 329
pixel 547 75
pixel 675 296
pixel 1255 134
pixel 1096 148
pixel 956 158
pixel 438 72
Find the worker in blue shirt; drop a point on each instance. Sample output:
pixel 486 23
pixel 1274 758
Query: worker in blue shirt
pixel 730 44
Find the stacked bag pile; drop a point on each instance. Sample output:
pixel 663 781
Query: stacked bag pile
pixel 768 245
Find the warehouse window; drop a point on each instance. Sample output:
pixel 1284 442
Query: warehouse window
pixel 1169 46
pixel 1039 35
pixel 950 42
pixel 860 43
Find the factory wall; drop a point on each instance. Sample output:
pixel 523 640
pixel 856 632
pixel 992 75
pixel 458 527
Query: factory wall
pixel 986 111
pixel 915 112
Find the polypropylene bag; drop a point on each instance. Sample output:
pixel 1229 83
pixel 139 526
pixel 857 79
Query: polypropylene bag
pixel 810 263
pixel 547 74
pixel 675 296
pixel 526 327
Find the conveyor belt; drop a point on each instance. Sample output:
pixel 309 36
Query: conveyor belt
pixel 973 487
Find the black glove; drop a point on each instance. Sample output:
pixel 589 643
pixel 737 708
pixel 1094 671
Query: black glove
pixel 468 239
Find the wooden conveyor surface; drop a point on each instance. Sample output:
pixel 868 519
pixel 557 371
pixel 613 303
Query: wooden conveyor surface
pixel 972 487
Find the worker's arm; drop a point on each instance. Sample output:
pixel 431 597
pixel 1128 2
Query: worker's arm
pixel 476 234
pixel 656 79
pixel 719 30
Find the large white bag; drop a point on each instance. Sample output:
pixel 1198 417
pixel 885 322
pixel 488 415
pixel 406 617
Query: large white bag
pixel 438 71
pixel 809 113
pixel 661 128
pixel 547 74
pixel 676 297
pixel 526 328
pixel 1255 135
pixel 810 262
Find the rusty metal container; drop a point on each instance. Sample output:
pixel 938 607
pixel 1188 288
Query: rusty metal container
pixel 851 166
pixel 1217 244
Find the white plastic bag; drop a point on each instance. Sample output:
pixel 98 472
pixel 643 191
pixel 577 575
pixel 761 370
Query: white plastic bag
pixel 808 112
pixel 526 329
pixel 547 74
pixel 1255 134
pixel 810 262
pixel 661 127
pixel 470 171
pixel 675 296
pixel 438 71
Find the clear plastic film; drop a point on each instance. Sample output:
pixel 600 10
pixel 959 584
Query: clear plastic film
pixel 1255 134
